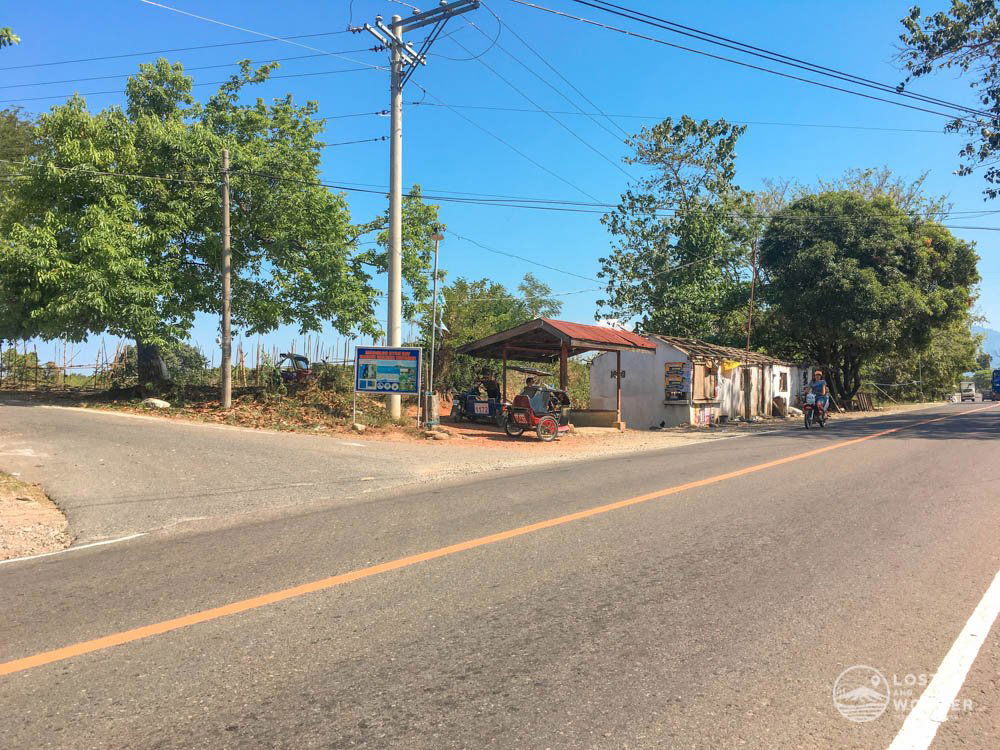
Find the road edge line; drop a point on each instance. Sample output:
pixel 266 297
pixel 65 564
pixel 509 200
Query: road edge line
pixel 931 710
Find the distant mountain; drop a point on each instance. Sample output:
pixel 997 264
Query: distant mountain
pixel 991 345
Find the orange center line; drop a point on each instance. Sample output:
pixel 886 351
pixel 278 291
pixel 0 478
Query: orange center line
pixel 233 608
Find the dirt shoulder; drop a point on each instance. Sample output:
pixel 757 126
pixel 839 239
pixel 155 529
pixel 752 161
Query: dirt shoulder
pixel 30 523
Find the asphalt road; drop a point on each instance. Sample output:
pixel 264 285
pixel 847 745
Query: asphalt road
pixel 716 615
pixel 115 474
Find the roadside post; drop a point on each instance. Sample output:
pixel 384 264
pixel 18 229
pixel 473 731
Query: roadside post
pixel 387 371
pixel 430 413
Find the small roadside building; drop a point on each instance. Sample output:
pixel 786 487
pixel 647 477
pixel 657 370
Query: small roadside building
pixel 692 382
pixel 550 341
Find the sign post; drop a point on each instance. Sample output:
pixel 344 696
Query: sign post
pixel 387 370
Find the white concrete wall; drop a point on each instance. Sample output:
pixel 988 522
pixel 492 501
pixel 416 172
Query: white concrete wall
pixel 642 387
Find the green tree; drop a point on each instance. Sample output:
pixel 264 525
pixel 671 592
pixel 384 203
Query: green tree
pixel 680 259
pixel 117 228
pixel 8 38
pixel 420 220
pixel 966 37
pixel 474 309
pixel 983 361
pixel 848 281
pixel 930 371
pixel 186 363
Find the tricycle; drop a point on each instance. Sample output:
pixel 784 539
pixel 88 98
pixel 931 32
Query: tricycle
pixel 474 407
pixel 540 408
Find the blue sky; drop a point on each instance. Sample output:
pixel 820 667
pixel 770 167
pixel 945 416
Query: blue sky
pixel 624 76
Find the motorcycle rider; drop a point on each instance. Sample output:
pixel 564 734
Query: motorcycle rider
pixel 819 387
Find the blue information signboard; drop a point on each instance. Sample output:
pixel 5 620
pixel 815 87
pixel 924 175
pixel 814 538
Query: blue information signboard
pixel 387 369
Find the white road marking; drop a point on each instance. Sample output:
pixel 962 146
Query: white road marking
pixel 931 710
pixel 74 549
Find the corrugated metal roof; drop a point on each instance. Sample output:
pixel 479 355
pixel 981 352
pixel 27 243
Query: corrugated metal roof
pixel 698 348
pixel 601 334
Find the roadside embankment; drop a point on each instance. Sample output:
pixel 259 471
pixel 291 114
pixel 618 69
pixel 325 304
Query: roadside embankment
pixel 30 523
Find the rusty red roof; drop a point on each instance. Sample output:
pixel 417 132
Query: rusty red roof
pixel 601 334
pixel 543 340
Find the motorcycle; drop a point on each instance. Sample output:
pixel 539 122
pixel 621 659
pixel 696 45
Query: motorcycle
pixel 813 412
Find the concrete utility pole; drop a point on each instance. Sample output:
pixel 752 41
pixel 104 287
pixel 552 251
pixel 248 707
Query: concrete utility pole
pixel 404 60
pixel 227 339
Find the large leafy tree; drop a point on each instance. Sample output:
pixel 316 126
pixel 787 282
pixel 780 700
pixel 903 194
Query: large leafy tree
pixel 473 309
pixel 848 280
pixel 966 37
pixel 680 256
pixel 117 227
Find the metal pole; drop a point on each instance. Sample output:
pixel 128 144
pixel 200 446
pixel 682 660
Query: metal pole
pixel 429 416
pixel 395 323
pixel 227 343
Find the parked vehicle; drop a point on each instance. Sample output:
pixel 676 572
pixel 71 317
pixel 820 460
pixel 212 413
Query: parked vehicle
pixel 813 412
pixel 474 407
pixel 968 390
pixel 995 386
pixel 540 408
pixel 294 368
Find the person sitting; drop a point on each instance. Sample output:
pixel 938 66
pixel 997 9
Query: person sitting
pixel 819 388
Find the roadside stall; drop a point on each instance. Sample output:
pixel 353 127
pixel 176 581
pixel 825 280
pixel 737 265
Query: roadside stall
pixel 551 341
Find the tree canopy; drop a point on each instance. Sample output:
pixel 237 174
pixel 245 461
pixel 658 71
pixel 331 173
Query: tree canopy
pixel 966 37
pixel 473 309
pixel 116 224
pixel 681 237
pixel 848 280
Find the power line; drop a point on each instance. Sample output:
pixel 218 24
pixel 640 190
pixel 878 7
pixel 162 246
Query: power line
pixel 734 61
pixel 556 70
pixel 520 257
pixel 207 83
pixel 795 62
pixel 509 145
pixel 261 33
pixel 351 143
pixel 197 67
pixel 555 119
pixel 165 51
pixel 382 68
pixel 535 203
pixel 492 108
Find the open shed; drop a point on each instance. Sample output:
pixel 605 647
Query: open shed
pixel 546 340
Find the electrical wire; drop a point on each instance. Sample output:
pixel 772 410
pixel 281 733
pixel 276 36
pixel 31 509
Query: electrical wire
pixel 734 61
pixel 186 70
pixel 661 117
pixel 555 119
pixel 555 70
pixel 351 143
pixel 206 83
pixel 509 145
pixel 539 203
pixel 165 51
pixel 795 62
pixel 261 33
